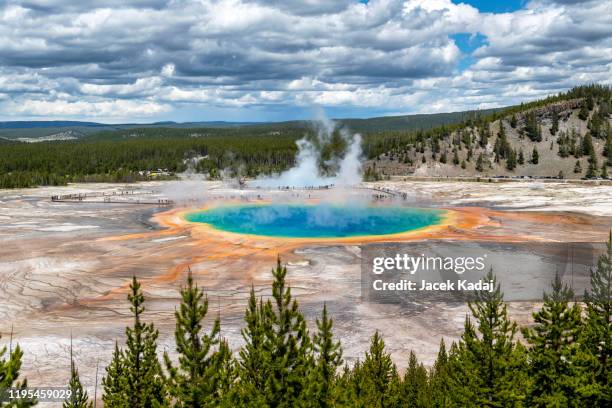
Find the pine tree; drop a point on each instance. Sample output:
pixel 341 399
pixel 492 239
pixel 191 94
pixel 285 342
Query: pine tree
pixel 578 147
pixel 439 380
pixel 195 381
pixel 464 382
pixel 513 122
pixel 502 148
pixel 455 158
pixel 488 364
pixel 252 368
pixel 521 157
pixel 592 169
pixel 587 145
pixel 78 396
pixel 353 387
pixel 535 156
pixel 140 384
pixel 479 163
pixel 415 391
pixel 484 136
pixel 577 167
pixel 554 369
pixel 590 102
pixel 328 357
pixel 532 128
pixel 608 146
pixel 511 161
pixel 9 374
pixel 555 123
pixel 114 382
pixel 598 326
pixel 226 375
pixel 378 375
pixel 583 114
pixel 288 348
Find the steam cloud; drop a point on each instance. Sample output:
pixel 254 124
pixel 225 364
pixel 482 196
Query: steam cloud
pixel 306 172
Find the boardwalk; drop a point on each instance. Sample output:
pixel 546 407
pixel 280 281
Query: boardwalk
pixel 121 197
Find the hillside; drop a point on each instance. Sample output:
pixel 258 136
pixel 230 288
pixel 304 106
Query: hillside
pixel 569 135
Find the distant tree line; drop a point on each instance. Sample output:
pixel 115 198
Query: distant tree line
pixel 564 360
pixel 129 159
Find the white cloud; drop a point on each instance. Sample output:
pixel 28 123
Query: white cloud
pixel 103 109
pixel 168 70
pixel 141 87
pixel 154 57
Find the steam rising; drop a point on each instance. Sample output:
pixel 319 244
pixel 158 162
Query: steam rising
pixel 347 172
pixel 306 172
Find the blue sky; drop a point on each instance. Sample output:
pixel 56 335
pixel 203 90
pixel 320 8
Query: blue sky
pixel 492 6
pixel 260 60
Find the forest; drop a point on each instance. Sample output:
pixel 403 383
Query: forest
pixel 561 360
pixel 126 155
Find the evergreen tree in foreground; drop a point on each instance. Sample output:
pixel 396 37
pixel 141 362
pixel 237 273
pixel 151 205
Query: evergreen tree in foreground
pixel 276 361
pixel 134 378
pixel 114 381
pixel 252 369
pixel 554 363
pixel 288 345
pixel 439 380
pixel 598 327
pixel 195 382
pixel 487 365
pixel 226 375
pixel 415 390
pixel 9 375
pixel 378 376
pixel 78 396
pixel 328 357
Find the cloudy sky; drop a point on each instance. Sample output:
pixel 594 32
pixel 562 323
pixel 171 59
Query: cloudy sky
pixel 258 60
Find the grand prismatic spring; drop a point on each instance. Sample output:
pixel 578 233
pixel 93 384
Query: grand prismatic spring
pixel 316 221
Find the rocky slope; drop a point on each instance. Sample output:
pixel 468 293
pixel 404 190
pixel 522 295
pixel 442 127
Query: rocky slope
pixel 485 149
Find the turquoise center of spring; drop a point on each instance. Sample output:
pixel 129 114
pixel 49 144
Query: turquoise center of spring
pixel 316 221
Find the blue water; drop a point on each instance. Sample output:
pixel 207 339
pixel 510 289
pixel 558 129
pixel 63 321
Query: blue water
pixel 315 221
